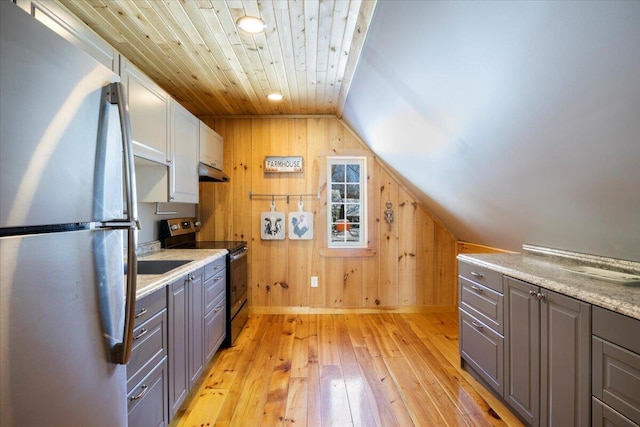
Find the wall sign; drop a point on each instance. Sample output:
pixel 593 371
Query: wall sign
pixel 275 164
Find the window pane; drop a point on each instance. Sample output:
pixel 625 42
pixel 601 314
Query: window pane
pixel 353 212
pixel 353 173
pixel 337 192
pixel 337 173
pixel 337 212
pixel 353 192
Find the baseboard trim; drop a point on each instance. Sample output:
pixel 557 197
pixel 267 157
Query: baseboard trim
pixel 353 310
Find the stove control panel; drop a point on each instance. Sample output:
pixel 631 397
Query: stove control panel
pixel 178 226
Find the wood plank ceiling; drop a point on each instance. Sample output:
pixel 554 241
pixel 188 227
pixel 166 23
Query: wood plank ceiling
pixel 192 49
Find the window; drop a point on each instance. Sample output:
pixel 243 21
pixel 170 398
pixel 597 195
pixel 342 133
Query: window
pixel 347 202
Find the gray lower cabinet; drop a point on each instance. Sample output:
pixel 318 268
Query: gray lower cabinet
pixel 215 306
pixel 147 376
pixel 547 355
pixel 185 337
pixel 481 324
pixel 615 369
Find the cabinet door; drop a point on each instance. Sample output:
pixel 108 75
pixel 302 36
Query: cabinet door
pixel 522 349
pixel 565 339
pixel 215 328
pixel 211 147
pixel 183 184
pixel 149 112
pixel 66 25
pixel 147 402
pixel 178 341
pixel 196 324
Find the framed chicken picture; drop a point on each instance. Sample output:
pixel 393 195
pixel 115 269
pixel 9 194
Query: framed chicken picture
pixel 300 225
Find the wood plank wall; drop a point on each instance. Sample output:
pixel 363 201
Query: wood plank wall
pixel 413 263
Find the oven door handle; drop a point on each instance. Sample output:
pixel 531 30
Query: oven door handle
pixel 239 255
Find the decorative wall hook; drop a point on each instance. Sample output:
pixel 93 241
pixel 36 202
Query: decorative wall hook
pixel 388 214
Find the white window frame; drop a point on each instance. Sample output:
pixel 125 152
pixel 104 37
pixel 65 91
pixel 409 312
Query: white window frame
pixel 362 235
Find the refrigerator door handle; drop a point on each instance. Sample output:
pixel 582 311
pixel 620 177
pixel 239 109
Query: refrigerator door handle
pixel 122 351
pixel 116 224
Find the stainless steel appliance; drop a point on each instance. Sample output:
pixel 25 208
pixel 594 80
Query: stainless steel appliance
pixel 65 311
pixel 180 233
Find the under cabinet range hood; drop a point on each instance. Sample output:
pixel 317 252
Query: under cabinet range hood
pixel 210 174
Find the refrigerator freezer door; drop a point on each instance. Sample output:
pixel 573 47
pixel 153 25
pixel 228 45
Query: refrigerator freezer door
pixel 49 126
pixel 54 343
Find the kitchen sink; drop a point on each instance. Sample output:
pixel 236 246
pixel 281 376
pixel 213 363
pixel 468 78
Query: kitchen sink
pixel 159 266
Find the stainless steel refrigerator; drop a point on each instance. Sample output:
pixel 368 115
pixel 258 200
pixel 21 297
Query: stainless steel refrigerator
pixel 67 213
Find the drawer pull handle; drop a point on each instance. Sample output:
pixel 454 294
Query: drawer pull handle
pixel 144 390
pixel 476 288
pixel 217 309
pixel 142 333
pixel 142 312
pixel 217 278
pixel 476 324
pixel 476 274
pixel 217 267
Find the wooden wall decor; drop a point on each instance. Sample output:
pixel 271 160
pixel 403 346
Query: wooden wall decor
pixel 410 264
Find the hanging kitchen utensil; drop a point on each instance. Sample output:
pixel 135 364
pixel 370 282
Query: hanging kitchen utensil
pixel 272 224
pixel 300 224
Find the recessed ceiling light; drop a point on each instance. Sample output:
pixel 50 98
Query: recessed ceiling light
pixel 251 24
pixel 275 97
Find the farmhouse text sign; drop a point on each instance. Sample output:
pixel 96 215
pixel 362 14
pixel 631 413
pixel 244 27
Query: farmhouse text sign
pixel 283 164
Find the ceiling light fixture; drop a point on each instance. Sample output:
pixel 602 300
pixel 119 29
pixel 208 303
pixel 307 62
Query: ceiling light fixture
pixel 275 97
pixel 251 24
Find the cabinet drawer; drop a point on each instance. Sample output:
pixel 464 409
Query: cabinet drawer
pixel 214 267
pixel 482 348
pixel 616 377
pixel 215 328
pixel 149 347
pixel 604 416
pixel 481 275
pixel 147 402
pixel 214 288
pixel 616 328
pixel 150 305
pixel 482 302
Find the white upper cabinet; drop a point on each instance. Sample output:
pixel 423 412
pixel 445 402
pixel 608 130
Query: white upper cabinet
pixel 65 24
pixel 183 182
pixel 211 147
pixel 149 114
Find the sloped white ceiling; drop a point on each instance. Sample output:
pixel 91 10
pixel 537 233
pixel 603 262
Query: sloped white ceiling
pixel 518 121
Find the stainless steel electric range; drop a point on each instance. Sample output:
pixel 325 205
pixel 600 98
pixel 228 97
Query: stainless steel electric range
pixel 180 233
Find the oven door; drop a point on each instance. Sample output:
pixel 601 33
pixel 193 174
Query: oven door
pixel 238 282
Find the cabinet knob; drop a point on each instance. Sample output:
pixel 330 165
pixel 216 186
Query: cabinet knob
pixel 192 278
pixel 540 296
pixel 533 293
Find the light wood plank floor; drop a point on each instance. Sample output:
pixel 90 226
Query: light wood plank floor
pixel 343 370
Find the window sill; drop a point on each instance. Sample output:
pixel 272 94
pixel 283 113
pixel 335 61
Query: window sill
pixel 347 252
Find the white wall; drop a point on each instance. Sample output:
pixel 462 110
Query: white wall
pixel 518 121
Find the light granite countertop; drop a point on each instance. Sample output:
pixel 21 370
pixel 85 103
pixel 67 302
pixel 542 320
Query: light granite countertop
pixel 547 272
pixel 149 283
